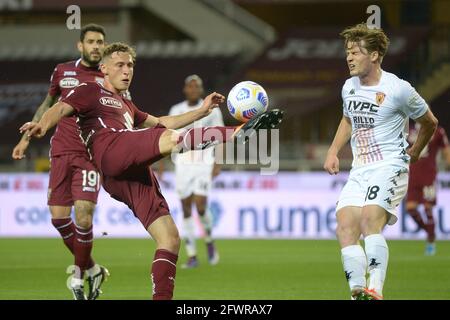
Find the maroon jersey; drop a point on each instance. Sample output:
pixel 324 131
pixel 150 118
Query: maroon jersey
pixel 423 172
pixel 102 114
pixel 65 77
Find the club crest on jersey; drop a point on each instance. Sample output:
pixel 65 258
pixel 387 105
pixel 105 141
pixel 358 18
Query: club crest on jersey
pixel 68 83
pixel 110 102
pixel 380 97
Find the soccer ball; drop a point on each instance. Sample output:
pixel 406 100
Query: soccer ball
pixel 247 99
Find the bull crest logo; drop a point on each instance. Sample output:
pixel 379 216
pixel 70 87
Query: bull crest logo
pixel 380 98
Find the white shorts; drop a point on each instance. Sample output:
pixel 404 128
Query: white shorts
pixel 193 179
pixel 384 184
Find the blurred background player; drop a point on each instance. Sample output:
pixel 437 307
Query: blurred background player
pixel 74 180
pixel 376 108
pixel 422 182
pixel 194 171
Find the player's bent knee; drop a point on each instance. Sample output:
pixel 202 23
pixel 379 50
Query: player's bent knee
pixel 347 235
pixel 170 242
pixel 84 211
pixel 168 141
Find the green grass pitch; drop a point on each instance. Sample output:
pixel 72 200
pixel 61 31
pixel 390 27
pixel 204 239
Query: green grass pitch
pixel 248 269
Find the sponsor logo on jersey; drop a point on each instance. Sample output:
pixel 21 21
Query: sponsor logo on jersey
pixel 359 105
pixel 70 73
pixel 110 102
pixel 68 82
pixel 352 91
pixel 380 97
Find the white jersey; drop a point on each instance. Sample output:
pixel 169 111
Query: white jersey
pixel 198 157
pixel 379 116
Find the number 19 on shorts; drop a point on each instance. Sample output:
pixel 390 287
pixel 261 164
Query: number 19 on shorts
pixel 91 180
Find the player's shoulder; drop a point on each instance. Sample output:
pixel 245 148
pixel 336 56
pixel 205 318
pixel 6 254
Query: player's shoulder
pixel 349 85
pixel 64 66
pixel 395 82
pixel 92 87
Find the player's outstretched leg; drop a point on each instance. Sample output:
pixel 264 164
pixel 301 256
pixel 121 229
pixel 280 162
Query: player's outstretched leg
pixel 205 137
pixel 266 120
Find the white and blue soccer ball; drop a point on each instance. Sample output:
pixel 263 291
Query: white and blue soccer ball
pixel 247 99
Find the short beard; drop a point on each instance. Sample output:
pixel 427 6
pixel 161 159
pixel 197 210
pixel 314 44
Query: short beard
pixel 86 58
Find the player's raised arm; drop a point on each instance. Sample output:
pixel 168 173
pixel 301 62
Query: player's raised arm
pixel 342 136
pixel 19 150
pixel 179 121
pixel 49 119
pixel 428 124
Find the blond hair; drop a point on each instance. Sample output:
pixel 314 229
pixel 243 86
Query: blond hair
pixel 119 47
pixel 374 39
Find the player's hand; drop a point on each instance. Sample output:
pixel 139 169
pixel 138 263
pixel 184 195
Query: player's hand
pixel 331 164
pixel 211 101
pixel 19 150
pixel 33 129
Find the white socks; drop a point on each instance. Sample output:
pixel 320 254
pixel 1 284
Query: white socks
pixel 189 230
pixel 76 283
pixel 377 258
pixel 355 264
pixel 93 271
pixel 207 225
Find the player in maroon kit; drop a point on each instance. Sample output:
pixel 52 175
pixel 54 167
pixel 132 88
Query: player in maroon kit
pixel 74 180
pixel 123 154
pixel 422 183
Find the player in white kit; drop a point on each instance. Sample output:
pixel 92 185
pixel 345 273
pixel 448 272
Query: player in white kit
pixel 377 106
pixel 194 171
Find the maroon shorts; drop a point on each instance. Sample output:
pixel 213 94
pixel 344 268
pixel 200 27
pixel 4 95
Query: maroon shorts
pixel 140 191
pixel 128 149
pixel 72 177
pixel 422 194
pixel 126 173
